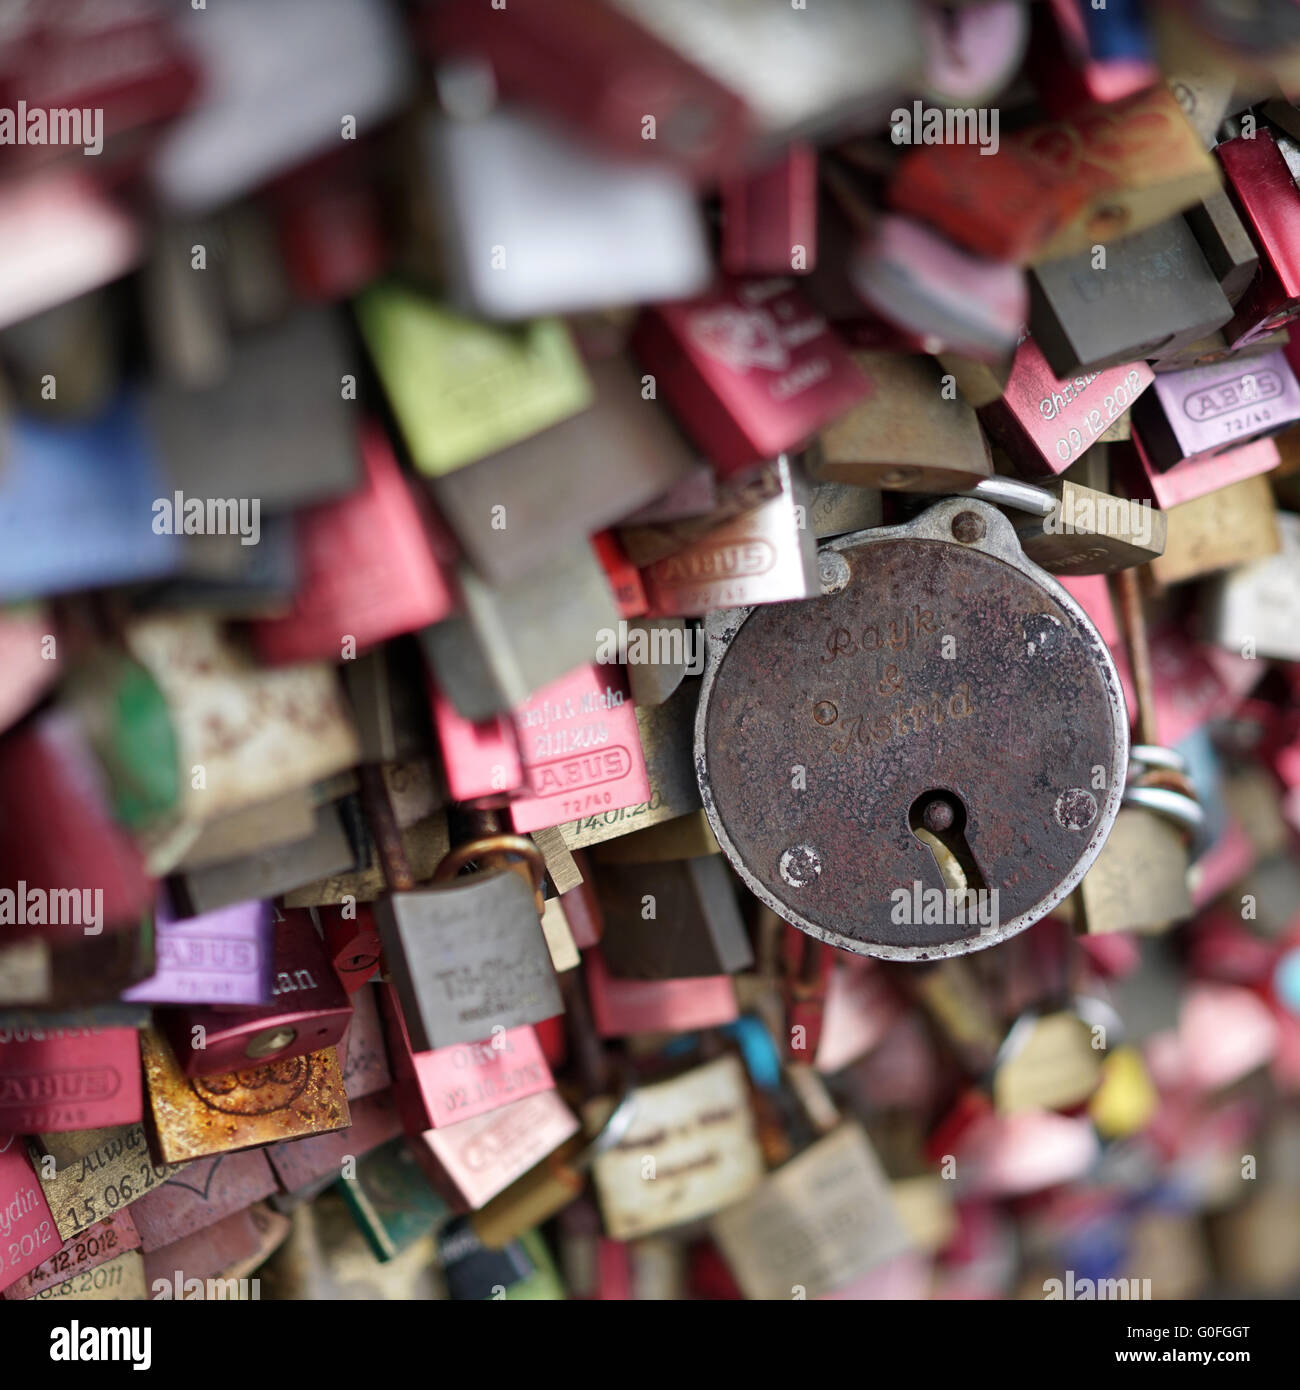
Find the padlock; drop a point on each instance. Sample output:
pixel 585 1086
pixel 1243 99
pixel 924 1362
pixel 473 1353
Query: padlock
pixel 1211 409
pixel 590 70
pixel 1160 817
pixel 369 570
pixel 1194 477
pixel 125 716
pixel 1132 164
pixel 106 1240
pixel 31 1237
pixel 1225 244
pixel 1255 608
pixel 805 980
pixel 972 53
pixel 1048 1060
pixel 391 1199
pixel 681 837
pixel 383 688
pixel 471 1162
pixel 625 1007
pixel 211 155
pixel 221 1255
pixel 276 428
pixel 950 995
pixel 907 436
pixel 423 845
pixel 361 1052
pixel 58 1079
pixel 254 282
pixel 506 646
pixel 658 652
pixel 1201 79
pixel 326 1253
pixel 71 344
pixel 442 1086
pixel 551 1186
pixel 480 760
pixel 352 940
pixel 621 574
pixel 1087 531
pixel 226 577
pixel 581 751
pixel 664 733
pixel 292 725
pixel 769 216
pixel 796 865
pixel 533 222
pixel 473 1272
pixel 695 1132
pixel 750 370
pixel 645 542
pixel 69 236
pixel 63 850
pixel 822 1220
pixel 563 872
pixel 1046 424
pixel 308 1010
pixel 280 820
pixel 835 509
pixel 799 74
pixel 194 1117
pixel 859 1011
pixel 515 508
pixel 95 1173
pixel 940 294
pixel 27 670
pixel 184 316
pixel 467 958
pixel 202 1194
pixel 299 1163
pixel 497 385
pixel 1262 190
pixel 1152 288
pixel 765 554
pixel 1079 61
pixel 696 494
pixel 670 921
pixel 329 226
pixel 329 849
pixel 1231 526
pixel 72 521
pixel 63 976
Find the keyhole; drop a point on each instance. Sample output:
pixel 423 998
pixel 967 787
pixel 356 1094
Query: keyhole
pixel 938 820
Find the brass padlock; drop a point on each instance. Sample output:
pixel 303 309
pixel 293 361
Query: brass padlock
pixel 942 683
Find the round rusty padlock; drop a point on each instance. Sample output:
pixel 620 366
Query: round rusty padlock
pixel 925 760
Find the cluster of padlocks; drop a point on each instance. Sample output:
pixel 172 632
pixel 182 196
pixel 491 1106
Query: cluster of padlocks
pixel 650 649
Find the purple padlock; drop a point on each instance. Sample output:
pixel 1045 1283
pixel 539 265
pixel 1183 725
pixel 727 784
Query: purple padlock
pixel 1207 410
pixel 222 957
